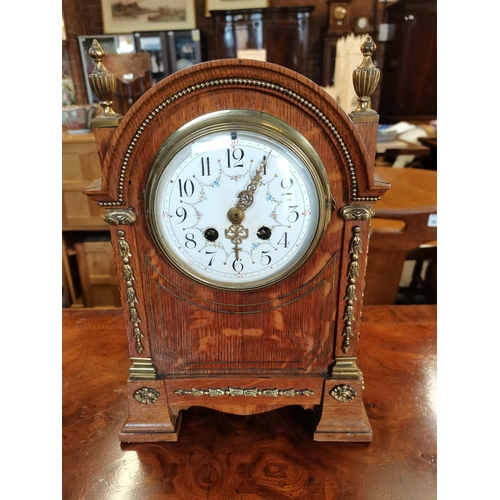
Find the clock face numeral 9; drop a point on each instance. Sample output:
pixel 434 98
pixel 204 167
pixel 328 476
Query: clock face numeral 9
pixel 235 209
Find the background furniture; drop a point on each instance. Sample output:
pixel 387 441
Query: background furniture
pixel 89 276
pixel 410 201
pixel 283 32
pixel 408 87
pixel 133 77
pixel 169 51
pixel 389 247
pixel 155 43
pixel 266 456
pixel 339 25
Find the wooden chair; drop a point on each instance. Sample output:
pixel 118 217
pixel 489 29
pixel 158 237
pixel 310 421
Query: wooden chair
pixel 133 77
pixel 391 246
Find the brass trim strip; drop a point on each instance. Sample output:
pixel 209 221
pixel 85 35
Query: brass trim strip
pixel 355 249
pixel 254 392
pixel 128 276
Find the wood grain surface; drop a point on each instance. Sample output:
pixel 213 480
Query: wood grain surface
pixel 270 455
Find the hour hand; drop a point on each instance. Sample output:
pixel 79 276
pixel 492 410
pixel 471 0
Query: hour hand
pixel 245 198
pixel 236 233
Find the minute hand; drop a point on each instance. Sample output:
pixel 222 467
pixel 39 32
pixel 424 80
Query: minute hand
pixel 245 198
pixel 236 232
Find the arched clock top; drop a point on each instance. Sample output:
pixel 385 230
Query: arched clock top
pixel 240 84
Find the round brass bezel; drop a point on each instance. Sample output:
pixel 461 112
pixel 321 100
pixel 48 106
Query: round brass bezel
pixel 235 120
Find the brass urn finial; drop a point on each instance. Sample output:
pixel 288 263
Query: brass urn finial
pixel 103 84
pixel 365 78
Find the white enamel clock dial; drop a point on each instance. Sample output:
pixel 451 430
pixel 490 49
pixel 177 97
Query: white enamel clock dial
pixel 235 203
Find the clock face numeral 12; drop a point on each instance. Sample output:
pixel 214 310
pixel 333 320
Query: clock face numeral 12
pixel 236 205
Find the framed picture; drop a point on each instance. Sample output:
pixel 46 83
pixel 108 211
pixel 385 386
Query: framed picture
pixel 184 48
pixel 234 5
pixel 127 16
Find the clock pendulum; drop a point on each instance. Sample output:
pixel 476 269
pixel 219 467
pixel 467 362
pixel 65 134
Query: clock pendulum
pixel 239 197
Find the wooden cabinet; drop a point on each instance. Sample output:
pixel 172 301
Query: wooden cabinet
pixel 409 77
pixel 89 275
pixel 97 271
pixel 80 168
pixel 283 32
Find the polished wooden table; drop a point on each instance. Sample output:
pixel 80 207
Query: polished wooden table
pixel 269 456
pixel 411 187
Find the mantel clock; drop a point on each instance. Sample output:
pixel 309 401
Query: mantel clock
pixel 239 197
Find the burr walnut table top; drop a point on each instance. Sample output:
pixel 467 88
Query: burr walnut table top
pixel 266 456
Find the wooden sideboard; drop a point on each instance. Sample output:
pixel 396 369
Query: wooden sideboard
pixel 89 276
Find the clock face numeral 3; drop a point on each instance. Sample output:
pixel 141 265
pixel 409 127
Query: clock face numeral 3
pixel 234 205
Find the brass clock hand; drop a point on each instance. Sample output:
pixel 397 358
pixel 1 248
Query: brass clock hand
pixel 236 232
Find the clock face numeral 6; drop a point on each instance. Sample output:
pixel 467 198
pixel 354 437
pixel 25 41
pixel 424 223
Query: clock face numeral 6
pixel 237 199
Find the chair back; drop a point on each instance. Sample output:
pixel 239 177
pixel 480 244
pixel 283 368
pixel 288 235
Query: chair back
pixel 390 247
pixel 133 78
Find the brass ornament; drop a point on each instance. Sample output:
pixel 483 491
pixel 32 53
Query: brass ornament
pixel 128 275
pixel 355 249
pixel 146 395
pixel 357 212
pixel 142 369
pixel 254 392
pixel 343 393
pixel 365 80
pixel 103 84
pixel 120 216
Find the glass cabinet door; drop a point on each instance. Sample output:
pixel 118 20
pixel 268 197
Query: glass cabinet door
pixel 155 43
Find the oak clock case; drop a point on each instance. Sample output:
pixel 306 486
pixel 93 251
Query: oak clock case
pixel 291 224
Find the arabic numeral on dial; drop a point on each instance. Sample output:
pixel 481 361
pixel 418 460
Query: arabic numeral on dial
pixel 287 184
pixel 237 155
pixel 265 259
pixel 205 166
pixel 190 242
pixel 182 214
pixel 186 187
pixel 284 240
pixel 211 258
pixel 294 215
pixel 238 266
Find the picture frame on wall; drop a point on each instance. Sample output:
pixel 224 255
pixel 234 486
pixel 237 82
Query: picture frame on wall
pixel 127 16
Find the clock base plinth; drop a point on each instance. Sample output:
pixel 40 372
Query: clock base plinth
pixel 150 418
pixel 343 419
